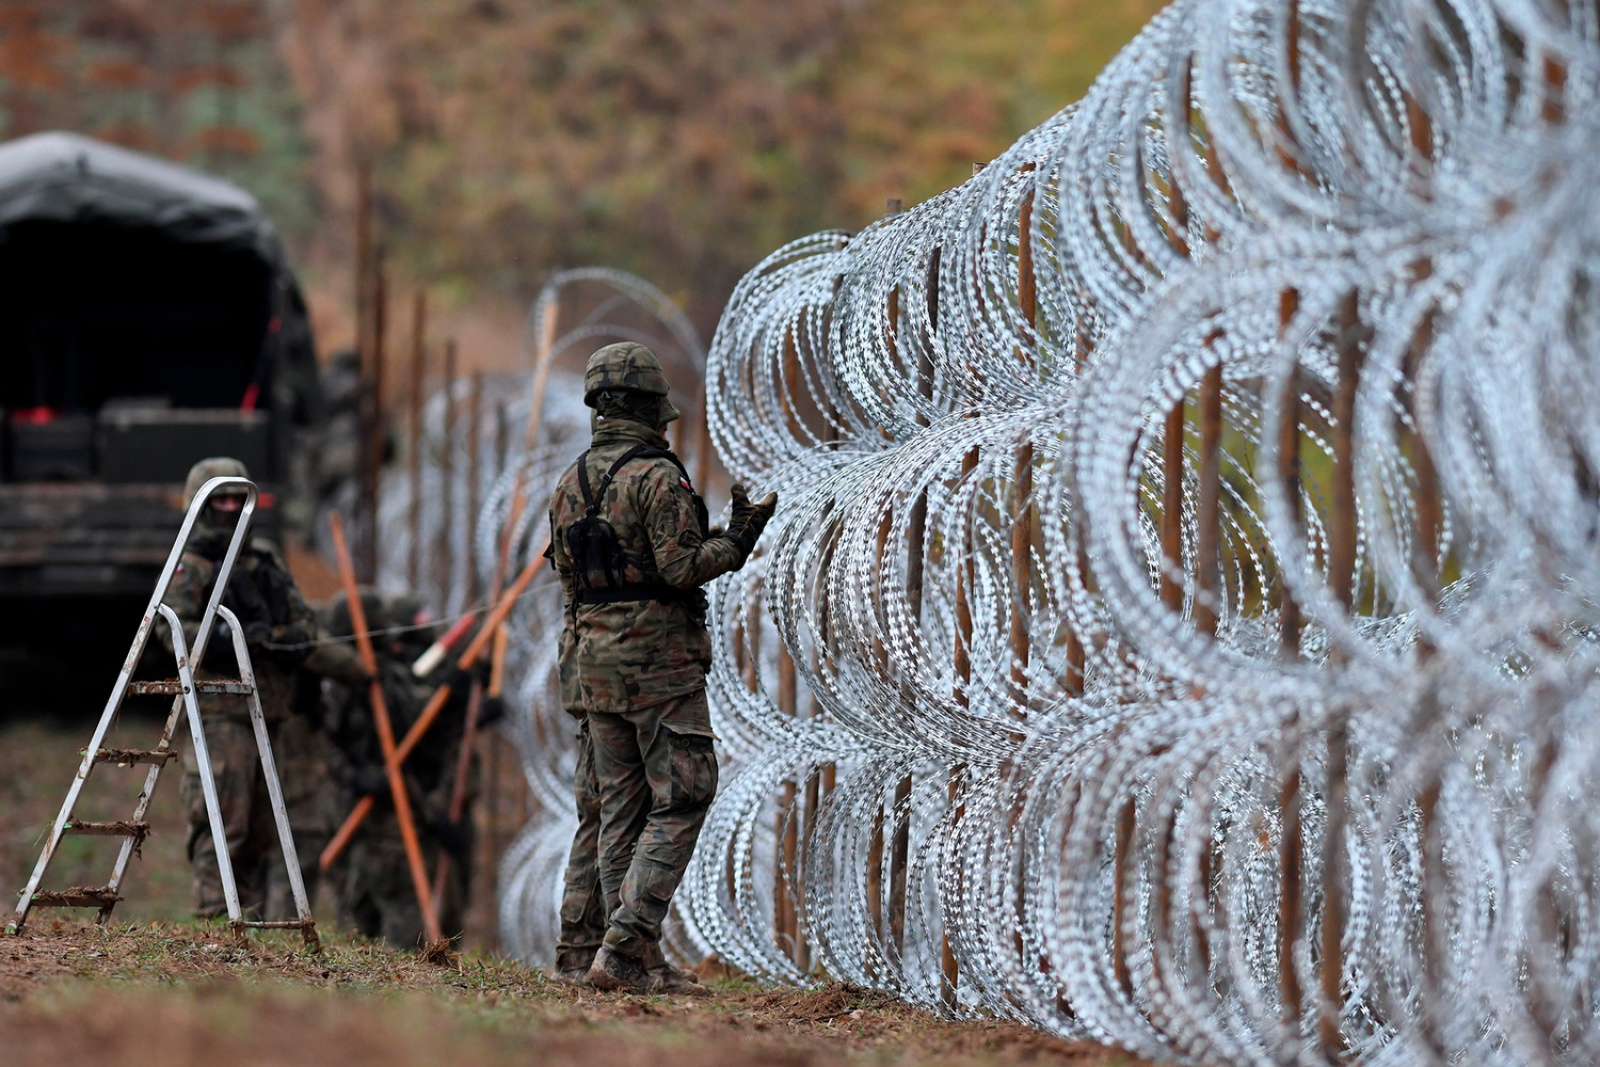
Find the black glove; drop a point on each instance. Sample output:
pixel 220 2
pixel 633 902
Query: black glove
pixel 452 837
pixel 460 681
pixel 290 635
pixel 368 780
pixel 491 711
pixel 289 645
pixel 257 634
pixel 749 519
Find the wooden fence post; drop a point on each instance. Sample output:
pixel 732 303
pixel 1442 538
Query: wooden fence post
pixel 1289 473
pixel 1208 514
pixel 786 911
pixel 474 475
pixel 372 295
pixel 444 548
pixel 1172 508
pixel 1341 572
pixel 419 357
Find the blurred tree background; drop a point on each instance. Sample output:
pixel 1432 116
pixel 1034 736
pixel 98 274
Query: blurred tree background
pixel 680 140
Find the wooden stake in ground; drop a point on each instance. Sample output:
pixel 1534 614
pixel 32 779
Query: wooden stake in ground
pixel 444 561
pixel 380 718
pixel 419 356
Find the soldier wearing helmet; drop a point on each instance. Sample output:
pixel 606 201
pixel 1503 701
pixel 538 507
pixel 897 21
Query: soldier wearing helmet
pixel 373 885
pixel 281 635
pixel 632 546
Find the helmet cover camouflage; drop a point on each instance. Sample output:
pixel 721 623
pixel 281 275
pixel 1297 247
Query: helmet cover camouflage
pixel 207 469
pixel 336 616
pixel 405 609
pixel 623 366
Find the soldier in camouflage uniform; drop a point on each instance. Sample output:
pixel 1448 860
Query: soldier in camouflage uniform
pixel 632 546
pixel 583 904
pixel 279 631
pixel 308 764
pixel 375 891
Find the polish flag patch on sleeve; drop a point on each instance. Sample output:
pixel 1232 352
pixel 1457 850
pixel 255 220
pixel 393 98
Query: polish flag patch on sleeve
pixel 685 483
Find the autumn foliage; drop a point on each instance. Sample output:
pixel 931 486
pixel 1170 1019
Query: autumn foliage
pixel 682 140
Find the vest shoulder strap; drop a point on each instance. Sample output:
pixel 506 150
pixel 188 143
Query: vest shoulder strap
pixel 593 497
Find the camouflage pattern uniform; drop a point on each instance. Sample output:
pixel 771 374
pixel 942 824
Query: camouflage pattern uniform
pixel 634 667
pixel 583 904
pixel 374 888
pixel 278 625
pixel 308 764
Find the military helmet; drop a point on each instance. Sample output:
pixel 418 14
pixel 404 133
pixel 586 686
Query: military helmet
pixel 623 366
pixel 336 615
pixel 207 469
pixel 407 610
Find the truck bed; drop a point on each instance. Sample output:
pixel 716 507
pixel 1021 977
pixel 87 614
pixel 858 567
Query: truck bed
pixel 85 538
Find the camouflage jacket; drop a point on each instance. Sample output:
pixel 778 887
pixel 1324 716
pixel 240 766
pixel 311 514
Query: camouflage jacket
pixel 277 623
pixel 635 654
pixel 429 770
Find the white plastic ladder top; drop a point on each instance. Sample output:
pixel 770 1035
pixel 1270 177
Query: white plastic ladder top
pixel 185 700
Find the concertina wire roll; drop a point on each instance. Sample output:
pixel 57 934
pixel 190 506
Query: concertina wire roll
pixel 1179 626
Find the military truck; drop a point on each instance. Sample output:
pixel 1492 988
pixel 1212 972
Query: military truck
pixel 148 318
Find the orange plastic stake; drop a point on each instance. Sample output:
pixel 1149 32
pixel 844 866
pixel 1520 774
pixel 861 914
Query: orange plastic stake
pixel 380 718
pixel 441 697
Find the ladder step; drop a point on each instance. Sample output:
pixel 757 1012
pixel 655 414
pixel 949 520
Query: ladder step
pixel 172 687
pixel 136 830
pixel 127 757
pixel 282 924
pixel 76 897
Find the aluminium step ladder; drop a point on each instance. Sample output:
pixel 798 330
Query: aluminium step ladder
pixel 185 690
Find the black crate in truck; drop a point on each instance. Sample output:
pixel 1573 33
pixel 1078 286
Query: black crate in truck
pixel 137 445
pixel 51 449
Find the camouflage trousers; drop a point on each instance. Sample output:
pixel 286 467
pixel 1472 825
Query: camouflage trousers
pixel 377 897
pixel 279 894
pixel 246 818
pixel 583 910
pixel 306 759
pixel 657 775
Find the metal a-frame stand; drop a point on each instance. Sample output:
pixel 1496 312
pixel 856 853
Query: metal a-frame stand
pixel 185 689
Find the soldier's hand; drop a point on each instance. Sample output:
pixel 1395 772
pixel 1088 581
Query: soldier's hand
pixel 453 838
pixel 257 634
pixel 460 681
pixel 741 509
pixel 749 519
pixel 288 645
pixel 491 711
pixel 290 638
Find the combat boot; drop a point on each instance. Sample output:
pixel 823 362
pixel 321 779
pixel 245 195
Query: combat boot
pixel 614 972
pixel 572 976
pixel 669 979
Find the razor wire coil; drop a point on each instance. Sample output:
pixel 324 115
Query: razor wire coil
pixel 1179 626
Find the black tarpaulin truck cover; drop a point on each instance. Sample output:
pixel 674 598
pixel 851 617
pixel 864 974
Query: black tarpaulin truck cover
pixel 64 177
pixel 65 198
pixel 147 310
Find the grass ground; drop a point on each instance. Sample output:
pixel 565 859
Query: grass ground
pixel 173 994
pixel 37 762
pixel 157 988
